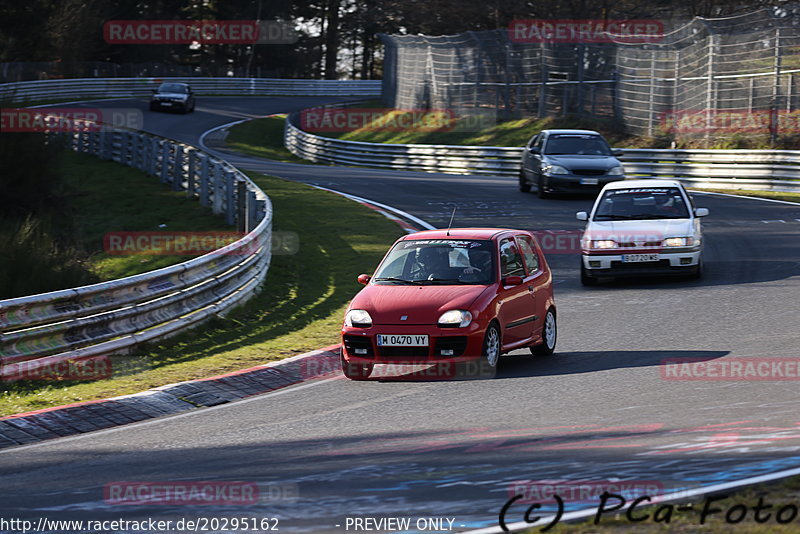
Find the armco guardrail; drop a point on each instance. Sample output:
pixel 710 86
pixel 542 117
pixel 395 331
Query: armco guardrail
pixel 74 324
pixel 18 92
pixel 777 170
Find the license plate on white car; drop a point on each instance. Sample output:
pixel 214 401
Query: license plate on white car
pixel 402 340
pixel 634 258
pixel 589 181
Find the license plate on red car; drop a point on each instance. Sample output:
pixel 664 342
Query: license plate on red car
pixel 402 340
pixel 634 258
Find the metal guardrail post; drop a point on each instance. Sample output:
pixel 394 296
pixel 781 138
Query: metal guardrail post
pixel 217 188
pixel 204 180
pixel 241 205
pixel 165 150
pixel 142 149
pixel 152 156
pixel 123 147
pixel 230 197
pixel 252 211
pixel 192 173
pixel 177 169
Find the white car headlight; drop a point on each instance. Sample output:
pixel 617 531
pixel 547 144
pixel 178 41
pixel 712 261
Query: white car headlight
pixel 616 171
pixel 678 242
pixel 455 318
pixel 555 169
pixel 358 319
pixel 603 243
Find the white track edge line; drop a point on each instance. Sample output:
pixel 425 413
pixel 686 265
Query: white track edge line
pixel 745 196
pixel 396 211
pixel 201 140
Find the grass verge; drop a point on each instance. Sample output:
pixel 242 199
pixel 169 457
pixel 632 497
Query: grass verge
pixel 299 309
pixel 778 494
pixel 775 195
pixel 262 138
pixel 109 197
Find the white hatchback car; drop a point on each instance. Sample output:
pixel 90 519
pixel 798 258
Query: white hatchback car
pixel 641 228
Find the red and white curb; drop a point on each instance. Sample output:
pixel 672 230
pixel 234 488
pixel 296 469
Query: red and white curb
pixel 88 416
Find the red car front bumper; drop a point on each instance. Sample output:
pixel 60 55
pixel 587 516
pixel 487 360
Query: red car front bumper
pixel 359 345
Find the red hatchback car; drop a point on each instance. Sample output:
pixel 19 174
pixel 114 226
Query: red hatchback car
pixel 451 296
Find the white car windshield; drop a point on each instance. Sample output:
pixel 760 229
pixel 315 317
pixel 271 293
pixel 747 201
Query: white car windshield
pixel 641 203
pixel 438 261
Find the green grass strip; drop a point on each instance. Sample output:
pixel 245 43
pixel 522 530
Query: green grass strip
pixel 300 307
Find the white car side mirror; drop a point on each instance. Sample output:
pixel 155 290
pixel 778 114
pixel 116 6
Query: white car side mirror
pixel 701 212
pixel 582 216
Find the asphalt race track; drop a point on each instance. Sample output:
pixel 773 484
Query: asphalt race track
pixel 599 409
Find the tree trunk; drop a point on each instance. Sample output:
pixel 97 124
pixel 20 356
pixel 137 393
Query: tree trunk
pixel 332 39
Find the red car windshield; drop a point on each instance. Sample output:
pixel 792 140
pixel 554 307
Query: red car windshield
pixel 438 261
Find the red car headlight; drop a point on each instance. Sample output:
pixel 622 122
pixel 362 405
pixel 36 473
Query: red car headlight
pixel 455 319
pixel 358 319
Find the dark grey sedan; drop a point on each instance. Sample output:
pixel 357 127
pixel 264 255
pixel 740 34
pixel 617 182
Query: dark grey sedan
pixel 569 161
pixel 173 96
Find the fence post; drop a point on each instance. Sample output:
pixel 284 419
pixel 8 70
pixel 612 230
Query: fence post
pixel 676 90
pixel 651 96
pixel 581 52
pixel 544 74
pixel 710 86
pixel 776 90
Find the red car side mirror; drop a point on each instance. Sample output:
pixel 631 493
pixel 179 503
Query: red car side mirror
pixel 363 279
pixel 512 280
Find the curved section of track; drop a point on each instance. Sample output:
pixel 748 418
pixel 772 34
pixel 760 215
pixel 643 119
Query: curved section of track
pixel 598 410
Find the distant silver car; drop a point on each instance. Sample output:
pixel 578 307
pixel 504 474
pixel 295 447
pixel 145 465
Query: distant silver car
pixel 642 228
pixel 569 161
pixel 173 96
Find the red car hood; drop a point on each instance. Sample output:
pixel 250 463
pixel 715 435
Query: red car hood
pixel 421 304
